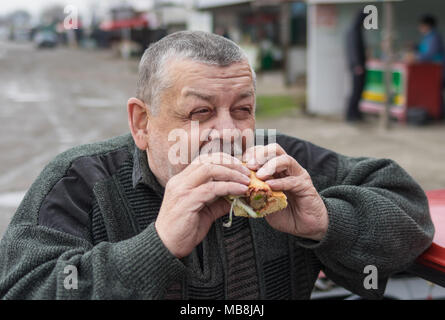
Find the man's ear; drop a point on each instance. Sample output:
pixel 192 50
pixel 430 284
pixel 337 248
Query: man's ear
pixel 138 121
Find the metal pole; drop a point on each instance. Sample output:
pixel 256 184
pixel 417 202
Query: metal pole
pixel 285 37
pixel 388 53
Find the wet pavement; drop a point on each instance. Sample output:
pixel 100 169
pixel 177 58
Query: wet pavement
pixel 50 101
pixel 419 150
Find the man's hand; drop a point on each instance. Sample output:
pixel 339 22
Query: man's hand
pixel 306 215
pixel 192 200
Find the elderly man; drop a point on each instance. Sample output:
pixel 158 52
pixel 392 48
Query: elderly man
pixel 124 219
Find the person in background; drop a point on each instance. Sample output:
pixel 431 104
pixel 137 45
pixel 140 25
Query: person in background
pixel 222 31
pixel 431 48
pixel 356 59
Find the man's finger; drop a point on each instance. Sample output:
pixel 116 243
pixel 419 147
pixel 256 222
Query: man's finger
pixel 283 163
pixel 209 191
pixel 222 159
pixel 212 172
pixel 256 156
pixel 296 184
pixel 219 208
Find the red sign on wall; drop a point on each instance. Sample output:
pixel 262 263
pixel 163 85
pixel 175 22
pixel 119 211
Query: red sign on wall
pixel 326 15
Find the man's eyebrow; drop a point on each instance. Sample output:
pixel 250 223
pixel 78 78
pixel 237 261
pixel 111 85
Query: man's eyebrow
pixel 246 94
pixel 200 95
pixel 210 98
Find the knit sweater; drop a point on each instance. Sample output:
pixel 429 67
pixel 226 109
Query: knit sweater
pixel 93 208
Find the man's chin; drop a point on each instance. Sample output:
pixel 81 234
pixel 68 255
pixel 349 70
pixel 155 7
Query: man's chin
pixel 175 169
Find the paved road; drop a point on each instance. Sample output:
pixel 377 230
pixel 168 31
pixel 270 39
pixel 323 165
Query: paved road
pixel 51 100
pixel 419 150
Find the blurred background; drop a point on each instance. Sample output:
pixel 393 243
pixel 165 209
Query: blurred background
pixel 361 85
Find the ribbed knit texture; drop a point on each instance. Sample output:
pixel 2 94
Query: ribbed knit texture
pixel 242 279
pixel 137 259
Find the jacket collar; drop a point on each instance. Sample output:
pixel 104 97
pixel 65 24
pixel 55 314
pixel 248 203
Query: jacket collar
pixel 142 173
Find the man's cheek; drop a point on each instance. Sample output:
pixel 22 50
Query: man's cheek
pixel 175 169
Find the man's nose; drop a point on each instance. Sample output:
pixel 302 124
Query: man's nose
pixel 225 126
pixel 224 120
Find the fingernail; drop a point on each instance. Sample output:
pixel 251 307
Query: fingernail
pixel 246 180
pixel 246 171
pixel 261 172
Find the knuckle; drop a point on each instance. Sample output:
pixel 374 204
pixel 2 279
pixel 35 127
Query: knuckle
pixel 251 151
pixel 259 154
pixel 207 168
pixel 307 183
pixel 290 161
pixel 279 147
pixel 294 180
pixel 271 164
pixel 280 150
pixel 274 147
pixel 203 158
pixel 210 189
pixel 198 159
pixel 212 158
pixel 171 183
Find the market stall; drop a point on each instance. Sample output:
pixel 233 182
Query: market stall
pixel 414 85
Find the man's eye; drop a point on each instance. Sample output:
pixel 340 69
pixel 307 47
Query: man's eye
pixel 200 111
pixel 200 114
pixel 243 110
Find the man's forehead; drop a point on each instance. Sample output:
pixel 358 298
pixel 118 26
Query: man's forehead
pixel 186 72
pixel 187 63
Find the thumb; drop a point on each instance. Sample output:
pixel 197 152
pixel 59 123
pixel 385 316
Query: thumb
pixel 219 208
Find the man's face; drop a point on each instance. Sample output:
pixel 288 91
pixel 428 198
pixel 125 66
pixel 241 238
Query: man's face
pixel 220 99
pixel 424 28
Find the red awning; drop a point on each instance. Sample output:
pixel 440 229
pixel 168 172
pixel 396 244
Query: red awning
pixel 137 22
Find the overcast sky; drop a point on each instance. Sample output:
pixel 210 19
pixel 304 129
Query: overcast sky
pixel 35 6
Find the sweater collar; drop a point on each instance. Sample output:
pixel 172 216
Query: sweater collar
pixel 142 173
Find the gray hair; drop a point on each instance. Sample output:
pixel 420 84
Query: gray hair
pixel 198 46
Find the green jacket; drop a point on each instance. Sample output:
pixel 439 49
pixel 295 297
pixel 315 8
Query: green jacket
pixel 92 210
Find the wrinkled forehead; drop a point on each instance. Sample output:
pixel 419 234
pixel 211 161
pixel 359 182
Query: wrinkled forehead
pixel 186 75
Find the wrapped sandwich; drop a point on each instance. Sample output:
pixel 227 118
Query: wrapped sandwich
pixel 258 201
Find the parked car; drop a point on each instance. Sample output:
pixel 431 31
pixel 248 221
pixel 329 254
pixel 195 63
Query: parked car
pixel 45 39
